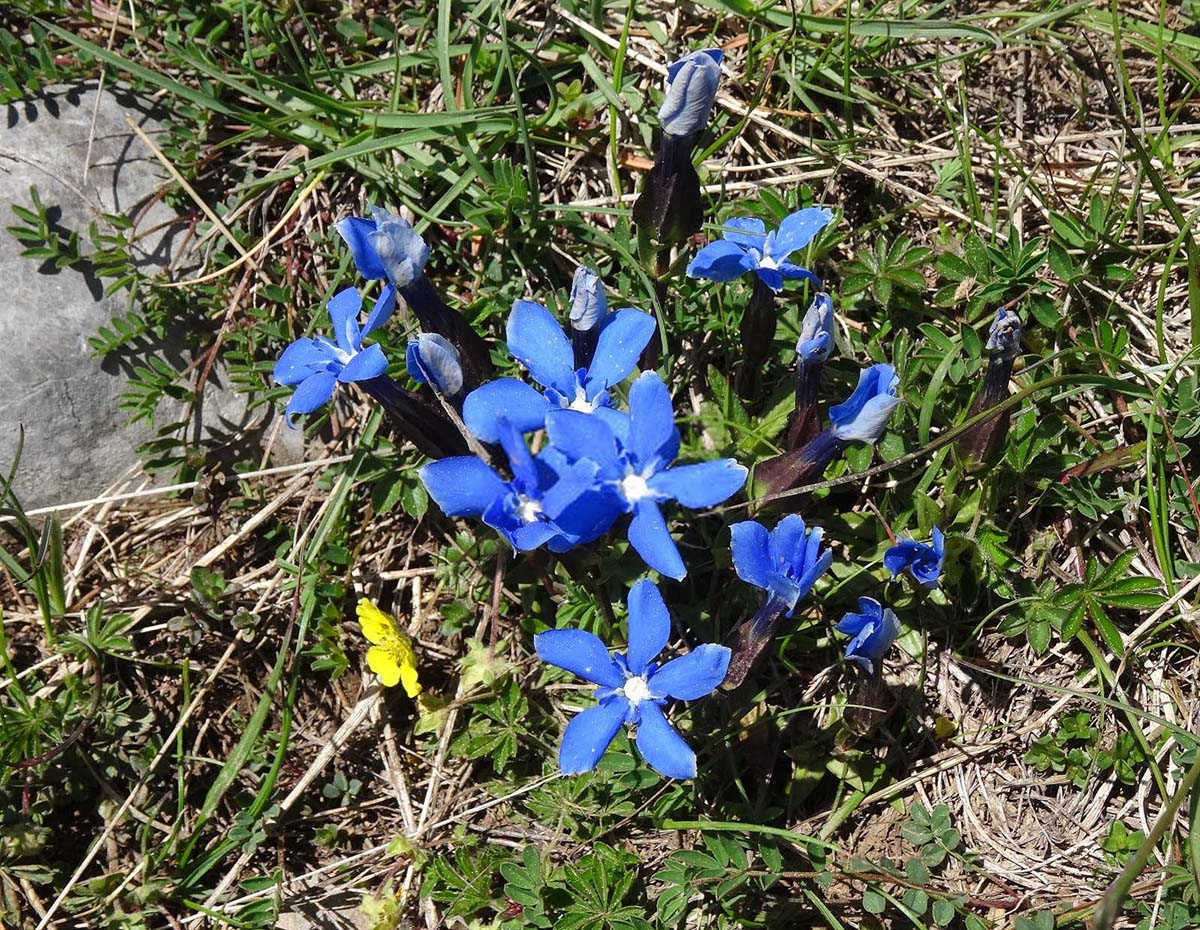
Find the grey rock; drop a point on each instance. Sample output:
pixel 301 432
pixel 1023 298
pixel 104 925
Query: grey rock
pixel 77 439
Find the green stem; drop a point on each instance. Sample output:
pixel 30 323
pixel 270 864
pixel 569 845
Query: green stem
pixel 1118 891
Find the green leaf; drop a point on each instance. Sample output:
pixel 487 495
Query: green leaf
pixel 873 902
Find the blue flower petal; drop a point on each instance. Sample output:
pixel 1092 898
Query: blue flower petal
pixel 302 358
pixel 537 341
pixel 749 543
pixel 343 308
pixel 432 359
pixel 369 363
pixel 749 232
pixel 857 650
pixel 588 734
pixel 589 306
pixel 584 436
pixel 790 271
pixel 462 485
pixel 694 675
pixel 690 95
pixel 381 312
pixel 771 277
pixel 797 230
pixel 702 485
pixel 714 53
pixel 313 391
pixel 721 260
pixel 581 653
pixel 649 626
pixel 520 403
pixel 525 475
pixel 530 535
pixel 869 611
pixel 621 343
pixel 357 233
pixel 615 420
pixel 649 537
pixel 900 556
pixel 788 541
pixel 652 432
pixel 661 746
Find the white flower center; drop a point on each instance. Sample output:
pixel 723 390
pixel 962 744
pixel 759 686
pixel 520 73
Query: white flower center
pixel 634 487
pixel 528 509
pixel 581 402
pixel 636 690
pixel 768 261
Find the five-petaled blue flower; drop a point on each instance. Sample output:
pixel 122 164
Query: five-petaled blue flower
pixel 784 562
pixel 747 246
pixel 864 415
pixel 873 630
pixel 432 360
pixel 526 510
pixel 691 92
pixel 924 562
pixel 385 246
pixel 816 330
pixel 317 365
pixel 538 342
pixel 633 456
pixel 633 687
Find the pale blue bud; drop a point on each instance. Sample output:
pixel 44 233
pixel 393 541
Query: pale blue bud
pixel 588 304
pixel 690 95
pixel 432 360
pixel 816 330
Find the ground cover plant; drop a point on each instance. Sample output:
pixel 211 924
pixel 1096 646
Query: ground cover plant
pixel 749 476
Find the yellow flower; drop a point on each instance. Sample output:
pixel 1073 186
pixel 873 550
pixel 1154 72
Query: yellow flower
pixel 391 657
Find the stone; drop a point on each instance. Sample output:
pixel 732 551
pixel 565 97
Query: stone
pixel 77 439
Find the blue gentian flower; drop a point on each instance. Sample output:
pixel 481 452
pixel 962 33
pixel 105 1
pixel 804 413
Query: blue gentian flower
pixel 873 630
pixel 816 330
pixel 747 246
pixel 633 456
pixel 691 92
pixel 537 341
pixel 864 415
pixel 784 562
pixel 923 562
pixel 385 246
pixel 632 688
pixel 315 366
pixel 525 511
pixel 432 360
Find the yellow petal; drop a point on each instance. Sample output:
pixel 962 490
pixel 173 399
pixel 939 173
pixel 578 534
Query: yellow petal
pixel 377 626
pixel 383 663
pixel 408 678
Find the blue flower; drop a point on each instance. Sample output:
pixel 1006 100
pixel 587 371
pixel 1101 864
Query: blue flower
pixel 784 562
pixel 692 90
pixel 874 629
pixel 747 246
pixel 923 562
pixel 816 330
pixel 432 360
pixel 536 340
pixel 315 366
pixel 633 455
pixel 385 246
pixel 864 415
pixel 526 510
pixel 632 688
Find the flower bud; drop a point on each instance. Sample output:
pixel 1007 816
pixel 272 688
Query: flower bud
pixel 691 93
pixel 588 304
pixel 816 330
pixel 432 360
pixel 983 440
